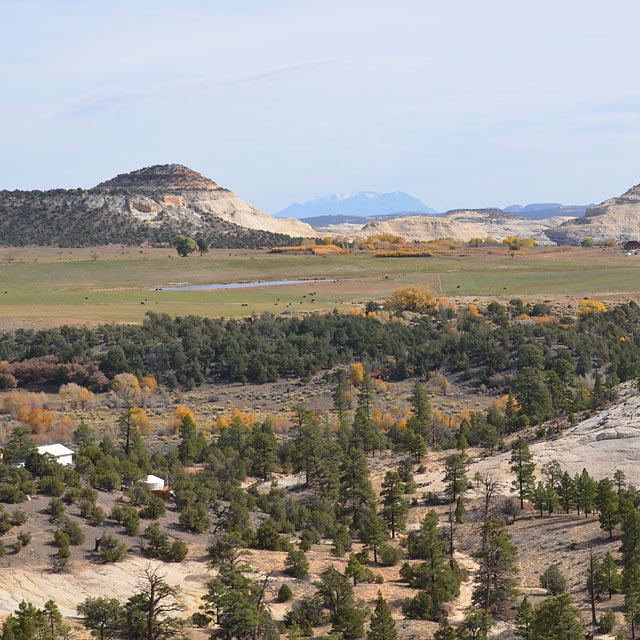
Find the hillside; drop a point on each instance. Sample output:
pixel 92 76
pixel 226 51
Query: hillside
pixel 149 205
pixel 617 218
pixel 462 224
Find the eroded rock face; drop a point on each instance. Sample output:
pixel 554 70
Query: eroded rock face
pixel 175 192
pixel 617 218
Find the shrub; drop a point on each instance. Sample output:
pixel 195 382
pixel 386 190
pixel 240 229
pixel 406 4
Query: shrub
pixel 25 538
pixel 97 516
pixel 74 531
pixel 61 539
pixel 51 486
pixel 3 551
pixel 389 555
pixel 296 564
pixel 111 549
pixel 178 551
pixel 195 518
pixel 17 518
pixel 553 581
pixel 17 546
pixel 56 509
pixel 607 622
pixel 284 593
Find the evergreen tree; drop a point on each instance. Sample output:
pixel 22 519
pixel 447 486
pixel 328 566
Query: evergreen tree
pixel 557 619
pixel 495 585
pixel 395 507
pixel 567 492
pixel 593 574
pixel 355 570
pixel 609 578
pixel 460 511
pixel 619 478
pixel 631 590
pixel 374 533
pixel 607 503
pixel 455 476
pixel 585 492
pixel 383 626
pixel 524 620
pixel 341 402
pixel 356 492
pixel 523 467
pixel 420 420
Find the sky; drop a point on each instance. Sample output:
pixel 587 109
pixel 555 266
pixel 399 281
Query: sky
pixel 461 104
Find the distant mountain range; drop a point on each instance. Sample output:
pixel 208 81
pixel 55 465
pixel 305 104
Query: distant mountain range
pixel 351 209
pixel 540 210
pixel 360 203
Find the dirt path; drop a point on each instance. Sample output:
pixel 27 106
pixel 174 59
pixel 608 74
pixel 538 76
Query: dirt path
pixel 463 601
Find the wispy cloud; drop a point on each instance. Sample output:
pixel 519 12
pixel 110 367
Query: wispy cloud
pixel 109 99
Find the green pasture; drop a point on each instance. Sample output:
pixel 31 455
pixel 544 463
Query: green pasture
pixel 41 287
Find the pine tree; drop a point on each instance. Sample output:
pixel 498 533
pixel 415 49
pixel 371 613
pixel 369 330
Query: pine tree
pixel 460 511
pixel 609 577
pixel 524 619
pixel 585 492
pixel 383 626
pixel 374 533
pixel 607 503
pixel 356 492
pixel 523 467
pixel 619 479
pixel 355 570
pixel 455 476
pixel 341 402
pixel 593 571
pixel 567 492
pixel 395 507
pixel 557 619
pixel 421 421
pixel 495 585
pixel 631 590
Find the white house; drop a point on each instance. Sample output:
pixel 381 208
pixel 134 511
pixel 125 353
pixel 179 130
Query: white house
pixel 153 482
pixel 61 454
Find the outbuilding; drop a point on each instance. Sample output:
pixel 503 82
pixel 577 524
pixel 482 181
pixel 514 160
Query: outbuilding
pixel 61 454
pixel 153 482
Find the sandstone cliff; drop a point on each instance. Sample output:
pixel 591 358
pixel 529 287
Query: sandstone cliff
pixel 617 218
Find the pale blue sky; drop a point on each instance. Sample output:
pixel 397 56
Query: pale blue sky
pixel 461 103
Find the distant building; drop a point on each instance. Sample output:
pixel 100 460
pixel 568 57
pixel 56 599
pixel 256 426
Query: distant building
pixel 61 454
pixel 631 245
pixel 153 482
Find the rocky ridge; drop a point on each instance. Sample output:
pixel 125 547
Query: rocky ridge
pixel 617 218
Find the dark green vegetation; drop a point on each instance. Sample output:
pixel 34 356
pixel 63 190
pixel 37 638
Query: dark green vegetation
pixel 53 218
pixel 542 365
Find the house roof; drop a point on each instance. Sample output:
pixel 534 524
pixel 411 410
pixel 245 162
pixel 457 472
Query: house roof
pixel 55 450
pixel 151 479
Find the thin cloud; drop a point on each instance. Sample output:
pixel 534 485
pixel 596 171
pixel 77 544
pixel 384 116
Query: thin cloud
pixel 108 100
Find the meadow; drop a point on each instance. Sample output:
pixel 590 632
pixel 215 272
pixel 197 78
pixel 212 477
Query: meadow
pixel 46 287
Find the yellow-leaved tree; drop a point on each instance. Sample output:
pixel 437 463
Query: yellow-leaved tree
pixel 417 297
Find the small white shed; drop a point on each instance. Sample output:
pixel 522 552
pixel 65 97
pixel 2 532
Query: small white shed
pixel 153 482
pixel 61 454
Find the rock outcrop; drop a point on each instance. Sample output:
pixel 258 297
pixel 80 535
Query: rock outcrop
pixel 148 205
pixel 617 218
pixel 177 192
pixel 462 224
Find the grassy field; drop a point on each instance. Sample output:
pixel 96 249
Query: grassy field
pixel 43 286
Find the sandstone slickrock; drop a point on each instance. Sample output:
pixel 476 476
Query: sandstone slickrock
pixel 174 191
pixel 617 218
